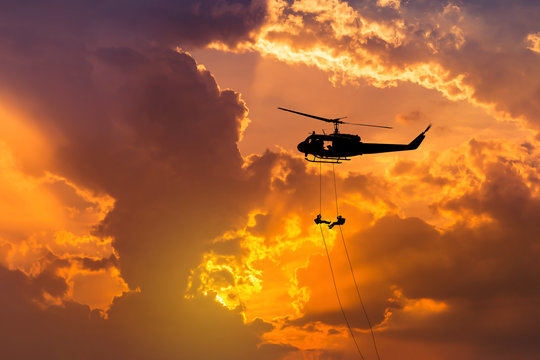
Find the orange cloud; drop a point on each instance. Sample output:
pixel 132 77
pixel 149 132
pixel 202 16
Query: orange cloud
pixel 533 42
pixel 48 216
pixel 346 64
pixel 436 50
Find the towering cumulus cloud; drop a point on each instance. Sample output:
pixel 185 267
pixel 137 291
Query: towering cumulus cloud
pixel 143 141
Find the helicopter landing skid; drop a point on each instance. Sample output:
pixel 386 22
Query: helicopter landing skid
pixel 326 160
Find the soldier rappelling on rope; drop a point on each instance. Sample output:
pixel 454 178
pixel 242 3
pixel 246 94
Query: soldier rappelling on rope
pixel 318 220
pixel 340 221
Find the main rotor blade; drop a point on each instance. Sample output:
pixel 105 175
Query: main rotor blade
pixel 311 116
pixel 378 126
pixel 335 121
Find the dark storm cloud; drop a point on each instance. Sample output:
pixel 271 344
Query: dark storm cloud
pixel 180 168
pixel 27 331
pixel 157 135
pixel 164 22
pixel 127 116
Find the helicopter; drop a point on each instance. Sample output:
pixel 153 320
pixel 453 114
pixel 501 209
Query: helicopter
pixel 338 147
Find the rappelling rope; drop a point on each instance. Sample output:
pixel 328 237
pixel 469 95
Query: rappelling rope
pixel 352 271
pixel 337 295
pixel 335 189
pixel 332 269
pixel 320 188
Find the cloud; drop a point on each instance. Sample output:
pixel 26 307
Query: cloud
pixel 471 52
pixel 138 159
pixel 411 117
pixel 162 22
pixel 533 42
pixel 170 162
pixel 143 158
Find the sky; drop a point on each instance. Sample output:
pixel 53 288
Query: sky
pixel 153 204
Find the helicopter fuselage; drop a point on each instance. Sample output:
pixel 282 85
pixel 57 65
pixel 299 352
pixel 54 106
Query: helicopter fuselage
pixel 338 146
pixel 330 146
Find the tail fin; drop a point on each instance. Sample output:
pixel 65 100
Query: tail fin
pixel 418 140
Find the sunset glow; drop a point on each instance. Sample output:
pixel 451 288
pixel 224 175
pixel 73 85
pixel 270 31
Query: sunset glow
pixel 154 205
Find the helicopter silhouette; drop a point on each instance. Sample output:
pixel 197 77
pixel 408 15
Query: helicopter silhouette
pixel 338 147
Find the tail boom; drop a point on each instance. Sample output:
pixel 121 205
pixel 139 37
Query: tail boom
pixel 373 148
